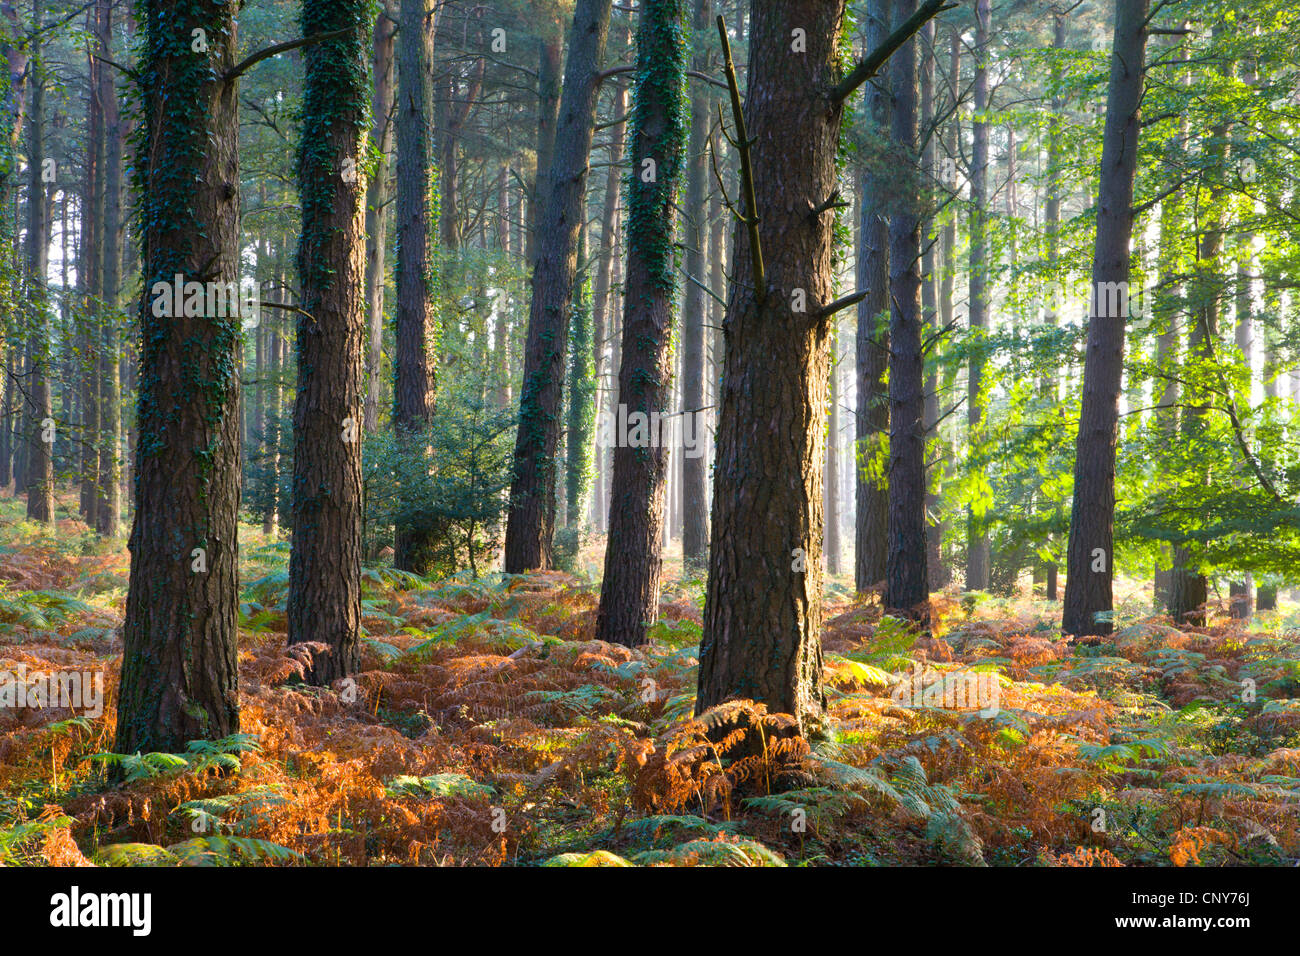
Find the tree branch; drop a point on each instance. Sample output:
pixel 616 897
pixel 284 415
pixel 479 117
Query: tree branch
pixel 877 58
pixel 265 54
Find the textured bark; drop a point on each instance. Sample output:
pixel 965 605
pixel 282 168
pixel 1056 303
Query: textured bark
pixel 603 315
pixel 833 546
pixel 763 604
pixel 1049 385
pixel 629 593
pixel 377 192
pixel 324 603
pixel 530 525
pixel 871 532
pixel 417 340
pixel 1088 597
pixel 948 281
pixel 108 510
pixel 549 72
pixel 179 679
pixel 40 461
pixel 907 590
pixel 695 515
pixel 930 317
pixel 977 538
pixel 90 274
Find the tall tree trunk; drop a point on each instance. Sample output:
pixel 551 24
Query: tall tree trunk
pixel 324 602
pixel 179 677
pixel 695 515
pixel 977 537
pixel 1091 556
pixel 930 314
pixel 763 604
pixel 603 319
pixel 629 594
pixel 108 511
pixel 580 418
pixel 831 489
pixel 530 525
pixel 907 589
pixel 1048 386
pixel 549 67
pixel 417 337
pixel 871 532
pixel 41 431
pixel 381 135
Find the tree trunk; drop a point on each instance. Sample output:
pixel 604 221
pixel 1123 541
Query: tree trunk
pixel 977 537
pixel 381 135
pixel 530 525
pixel 763 604
pixel 871 532
pixel 108 511
pixel 417 337
pixel 1091 556
pixel 629 595
pixel 907 590
pixel 179 678
pixel 41 430
pixel 324 602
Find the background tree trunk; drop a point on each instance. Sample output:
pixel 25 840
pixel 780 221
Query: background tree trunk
pixel 324 602
pixel 1091 556
pixel 629 594
pixel 530 525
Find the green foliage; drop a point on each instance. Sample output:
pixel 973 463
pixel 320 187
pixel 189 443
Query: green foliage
pixel 461 497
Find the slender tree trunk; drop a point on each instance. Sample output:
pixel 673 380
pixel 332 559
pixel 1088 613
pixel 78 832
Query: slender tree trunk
pixel 930 315
pixel 695 515
pixel 530 525
pixel 908 589
pixel 872 525
pixel 41 430
pixel 108 511
pixel 831 490
pixel 1091 556
pixel 417 335
pixel 977 538
pixel 1049 385
pixel 603 319
pixel 179 678
pixel 629 595
pixel 377 192
pixel 324 602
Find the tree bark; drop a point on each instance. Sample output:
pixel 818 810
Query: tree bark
pixel 907 590
pixel 324 602
pixel 377 193
pixel 179 678
pixel 530 525
pixel 977 538
pixel 415 375
pixel 40 432
pixel 629 594
pixel 871 531
pixel 695 515
pixel 1091 556
pixel 108 511
pixel 763 604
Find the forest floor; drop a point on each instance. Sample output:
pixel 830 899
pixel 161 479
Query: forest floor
pixel 488 727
